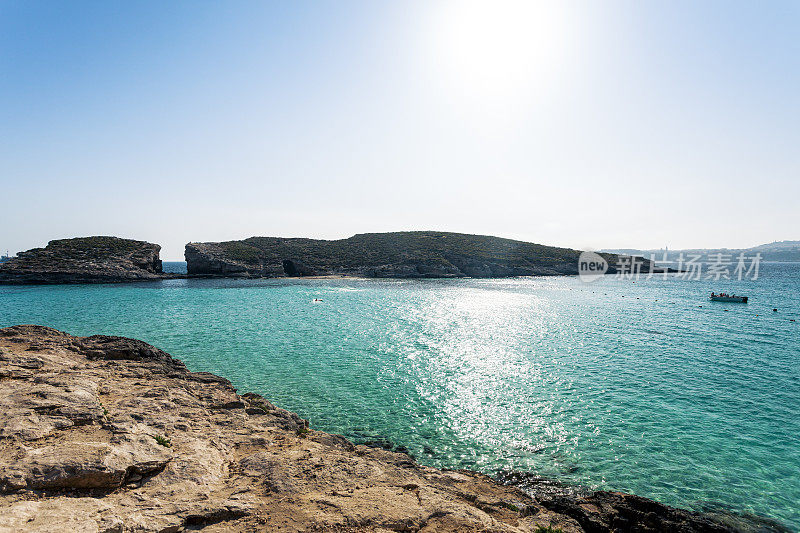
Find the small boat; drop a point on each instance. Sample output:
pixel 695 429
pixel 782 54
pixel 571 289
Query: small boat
pixel 725 297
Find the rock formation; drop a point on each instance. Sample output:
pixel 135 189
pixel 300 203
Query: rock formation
pixel 85 260
pixel 413 254
pixel 110 434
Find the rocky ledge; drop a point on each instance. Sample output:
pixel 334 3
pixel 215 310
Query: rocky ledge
pixel 85 260
pixel 111 434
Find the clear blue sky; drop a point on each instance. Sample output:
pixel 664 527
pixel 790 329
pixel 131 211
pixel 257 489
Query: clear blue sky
pixel 581 124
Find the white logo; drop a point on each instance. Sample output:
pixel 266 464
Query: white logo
pixel 591 266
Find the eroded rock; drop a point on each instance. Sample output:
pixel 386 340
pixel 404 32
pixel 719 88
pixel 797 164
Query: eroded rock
pixel 85 260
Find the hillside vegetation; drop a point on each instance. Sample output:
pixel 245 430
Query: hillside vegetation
pixel 397 254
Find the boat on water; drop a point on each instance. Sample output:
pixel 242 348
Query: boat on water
pixel 725 297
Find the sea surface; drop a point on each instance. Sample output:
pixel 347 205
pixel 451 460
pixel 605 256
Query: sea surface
pixel 640 386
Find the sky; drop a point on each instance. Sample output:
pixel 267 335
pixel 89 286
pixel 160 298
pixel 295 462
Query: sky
pixel 615 124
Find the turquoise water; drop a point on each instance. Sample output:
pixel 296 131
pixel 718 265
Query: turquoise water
pixel 616 385
pixel 174 267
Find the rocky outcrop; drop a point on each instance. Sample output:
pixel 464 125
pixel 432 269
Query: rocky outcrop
pixel 111 434
pixel 412 254
pixel 210 259
pixel 85 260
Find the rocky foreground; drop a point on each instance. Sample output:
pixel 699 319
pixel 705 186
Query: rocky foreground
pixel 110 434
pixel 85 260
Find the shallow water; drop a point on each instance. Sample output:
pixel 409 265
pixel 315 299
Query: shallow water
pixel 616 385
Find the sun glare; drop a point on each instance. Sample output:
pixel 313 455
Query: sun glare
pixel 491 49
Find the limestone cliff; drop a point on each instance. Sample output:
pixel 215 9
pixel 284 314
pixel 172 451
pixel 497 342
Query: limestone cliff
pixel 109 434
pixel 85 260
pixel 412 254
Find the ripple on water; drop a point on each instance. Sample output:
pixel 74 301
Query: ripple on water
pixel 693 406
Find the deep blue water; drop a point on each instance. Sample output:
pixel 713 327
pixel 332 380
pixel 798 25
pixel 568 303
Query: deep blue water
pixel 644 387
pixel 174 267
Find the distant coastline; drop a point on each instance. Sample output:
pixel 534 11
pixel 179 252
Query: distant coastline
pixel 413 254
pixel 783 251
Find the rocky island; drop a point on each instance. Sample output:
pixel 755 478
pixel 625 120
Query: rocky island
pixel 109 434
pixel 85 260
pixel 410 254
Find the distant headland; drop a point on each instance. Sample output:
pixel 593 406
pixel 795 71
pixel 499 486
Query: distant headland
pixel 410 254
pixel 773 251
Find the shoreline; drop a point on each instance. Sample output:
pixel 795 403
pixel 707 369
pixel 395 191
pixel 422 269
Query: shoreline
pixel 95 420
pixel 172 276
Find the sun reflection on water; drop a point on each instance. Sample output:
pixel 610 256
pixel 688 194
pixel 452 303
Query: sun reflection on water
pixel 466 361
pixel 613 385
